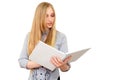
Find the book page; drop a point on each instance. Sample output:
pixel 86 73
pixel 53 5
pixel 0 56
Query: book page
pixel 42 54
pixel 76 55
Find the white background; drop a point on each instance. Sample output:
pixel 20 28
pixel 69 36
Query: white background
pixel 86 23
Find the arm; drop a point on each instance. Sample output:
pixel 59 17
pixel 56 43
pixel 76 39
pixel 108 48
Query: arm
pixel 66 65
pixel 63 65
pixel 64 48
pixel 32 65
pixel 24 57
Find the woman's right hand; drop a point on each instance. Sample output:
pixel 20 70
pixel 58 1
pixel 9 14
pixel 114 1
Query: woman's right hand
pixel 31 65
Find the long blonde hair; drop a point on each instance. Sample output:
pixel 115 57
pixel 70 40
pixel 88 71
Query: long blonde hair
pixel 38 27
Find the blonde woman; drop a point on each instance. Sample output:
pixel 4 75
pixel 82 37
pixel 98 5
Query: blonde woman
pixel 43 28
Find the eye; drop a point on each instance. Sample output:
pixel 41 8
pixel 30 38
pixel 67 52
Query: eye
pixel 52 15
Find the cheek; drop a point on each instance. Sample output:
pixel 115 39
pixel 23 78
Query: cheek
pixel 52 19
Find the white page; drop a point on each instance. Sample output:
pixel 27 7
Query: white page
pixel 42 54
pixel 77 54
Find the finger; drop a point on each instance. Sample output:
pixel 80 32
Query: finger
pixel 59 60
pixel 67 59
pixel 55 61
pixel 69 56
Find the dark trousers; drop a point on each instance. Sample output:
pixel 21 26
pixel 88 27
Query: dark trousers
pixel 58 78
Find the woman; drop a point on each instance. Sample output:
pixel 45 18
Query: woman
pixel 43 28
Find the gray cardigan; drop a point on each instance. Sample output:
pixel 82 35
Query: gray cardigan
pixel 60 44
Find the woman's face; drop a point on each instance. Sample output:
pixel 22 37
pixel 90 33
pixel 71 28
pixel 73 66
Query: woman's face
pixel 50 17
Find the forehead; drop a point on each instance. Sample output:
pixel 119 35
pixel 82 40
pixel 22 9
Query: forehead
pixel 49 10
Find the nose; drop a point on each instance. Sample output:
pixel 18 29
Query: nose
pixel 50 18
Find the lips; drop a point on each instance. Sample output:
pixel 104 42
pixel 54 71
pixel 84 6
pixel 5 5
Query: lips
pixel 49 24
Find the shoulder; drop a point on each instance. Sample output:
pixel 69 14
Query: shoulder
pixel 60 34
pixel 27 37
pixel 60 37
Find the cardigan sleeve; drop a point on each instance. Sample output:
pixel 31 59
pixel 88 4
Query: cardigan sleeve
pixel 64 48
pixel 63 45
pixel 23 58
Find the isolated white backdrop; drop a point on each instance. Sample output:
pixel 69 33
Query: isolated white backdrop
pixel 86 23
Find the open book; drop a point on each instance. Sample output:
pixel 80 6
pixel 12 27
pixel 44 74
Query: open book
pixel 42 54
